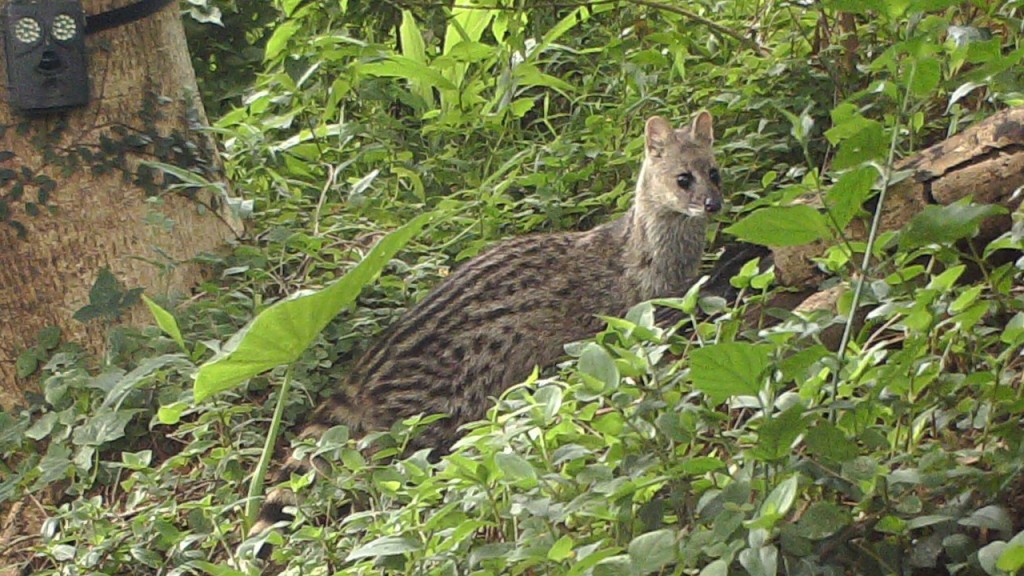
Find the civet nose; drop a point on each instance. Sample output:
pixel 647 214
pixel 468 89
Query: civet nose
pixel 712 205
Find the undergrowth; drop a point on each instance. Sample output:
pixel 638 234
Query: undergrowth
pixel 738 440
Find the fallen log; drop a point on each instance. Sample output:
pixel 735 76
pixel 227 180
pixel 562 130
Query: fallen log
pixel 985 162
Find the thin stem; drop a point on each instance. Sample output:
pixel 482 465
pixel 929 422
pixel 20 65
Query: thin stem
pixel 253 500
pixel 872 236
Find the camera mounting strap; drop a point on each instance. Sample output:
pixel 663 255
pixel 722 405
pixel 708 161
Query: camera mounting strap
pixel 123 15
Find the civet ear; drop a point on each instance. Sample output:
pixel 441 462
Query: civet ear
pixel 702 128
pixel 657 132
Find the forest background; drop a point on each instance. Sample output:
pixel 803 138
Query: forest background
pixel 732 442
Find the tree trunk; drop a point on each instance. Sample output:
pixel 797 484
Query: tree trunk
pixel 77 199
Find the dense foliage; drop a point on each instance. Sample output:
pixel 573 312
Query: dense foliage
pixel 736 441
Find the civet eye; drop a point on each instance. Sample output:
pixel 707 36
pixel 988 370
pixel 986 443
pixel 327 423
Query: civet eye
pixel 716 178
pixel 684 180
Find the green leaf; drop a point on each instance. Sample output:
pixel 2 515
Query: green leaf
pixel 776 436
pixel 171 413
pixel 652 551
pixel 989 556
pixel 137 460
pixel 103 427
pixel 166 322
pixel 217 569
pixel 384 546
pixel 700 465
pixel 54 466
pixel 619 565
pixel 781 499
pixel 281 333
pixel 515 467
pixel 859 139
pixel 1014 329
pixel 26 363
pixel 48 338
pixel 927 74
pixel 821 520
pixel 946 224
pixel 762 561
pixel 279 39
pixel 1011 560
pixel 826 441
pixel 597 363
pixel 716 568
pixel 848 194
pixel 107 298
pixel 409 69
pixel 991 518
pixel 730 369
pixel 561 550
pixel 414 49
pixel 781 226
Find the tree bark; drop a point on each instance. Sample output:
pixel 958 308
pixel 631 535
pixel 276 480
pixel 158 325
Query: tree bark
pixel 104 209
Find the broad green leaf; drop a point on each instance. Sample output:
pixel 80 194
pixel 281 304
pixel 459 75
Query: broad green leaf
pixel 776 436
pixel 821 520
pixel 384 546
pixel 108 298
pixel 55 465
pixel 781 499
pixel 217 569
pixel 171 413
pixel 49 337
pixel 849 193
pixel 928 520
pixel 281 333
pixel 652 551
pixel 1014 329
pixel 989 555
pixel 561 550
pixel 402 67
pixel 530 75
pixel 927 74
pixel 990 517
pixel 761 561
pixel 716 568
pixel 102 427
pixel 826 441
pixel 700 465
pixel 570 21
pixel 781 226
pixel 944 281
pixel 730 369
pixel 165 321
pixel 619 565
pixel 514 466
pixel 945 224
pixel 1011 560
pixel 467 23
pixel 137 460
pixel 597 363
pixel 414 49
pixel 279 39
pixel 859 139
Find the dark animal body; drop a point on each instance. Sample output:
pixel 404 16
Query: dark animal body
pixel 512 308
